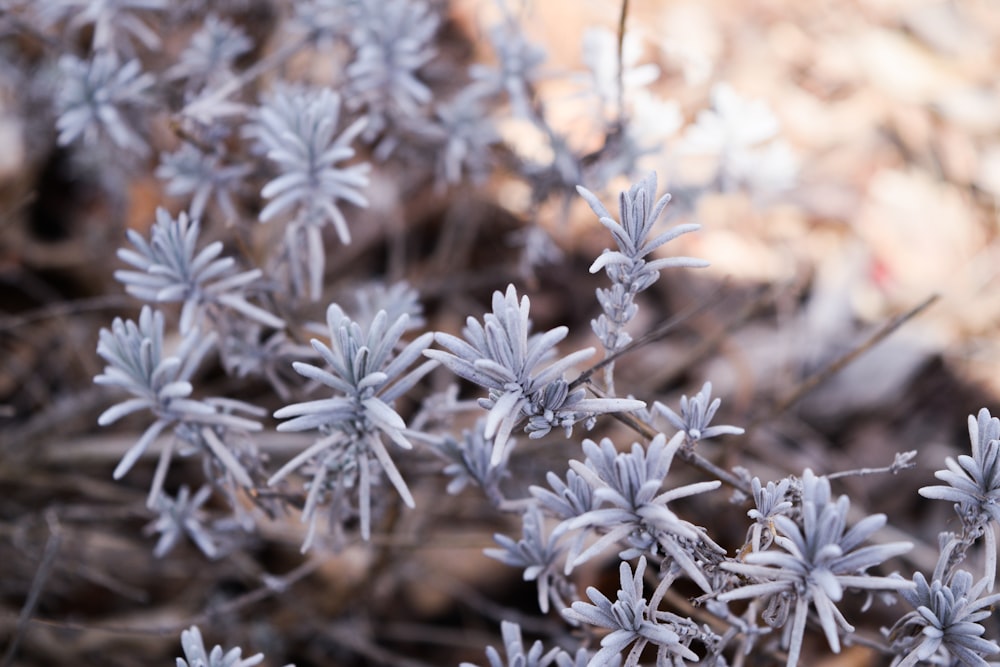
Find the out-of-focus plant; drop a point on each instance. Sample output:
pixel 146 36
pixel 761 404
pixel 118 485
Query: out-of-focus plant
pixel 367 374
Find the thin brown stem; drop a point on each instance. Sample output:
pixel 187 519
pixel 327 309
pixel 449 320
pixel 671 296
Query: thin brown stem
pixel 37 584
pixel 621 65
pixel 714 340
pixel 842 362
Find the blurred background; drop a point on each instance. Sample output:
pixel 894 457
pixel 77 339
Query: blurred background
pixel 843 159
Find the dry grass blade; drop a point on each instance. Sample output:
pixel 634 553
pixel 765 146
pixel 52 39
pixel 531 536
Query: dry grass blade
pixel 37 585
pixel 842 362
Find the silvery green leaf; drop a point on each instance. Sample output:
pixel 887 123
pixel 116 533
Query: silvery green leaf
pixel 601 56
pixel 323 20
pixel 696 416
pixel 195 654
pixel 109 21
pixel 629 508
pixel 367 369
pixel 137 364
pixel 517 69
pixel 537 554
pixel 631 621
pixel 819 558
pixel 974 481
pixel 469 461
pixel 521 371
pixel 298 129
pixel 770 501
pixel 568 499
pixel 211 53
pixel 180 516
pixel 741 135
pixel 396 299
pixel 171 269
pixel 96 99
pixel 463 133
pixel 944 626
pixel 392 42
pixel 627 267
pixel 974 486
pixel 191 172
pixel 536 656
